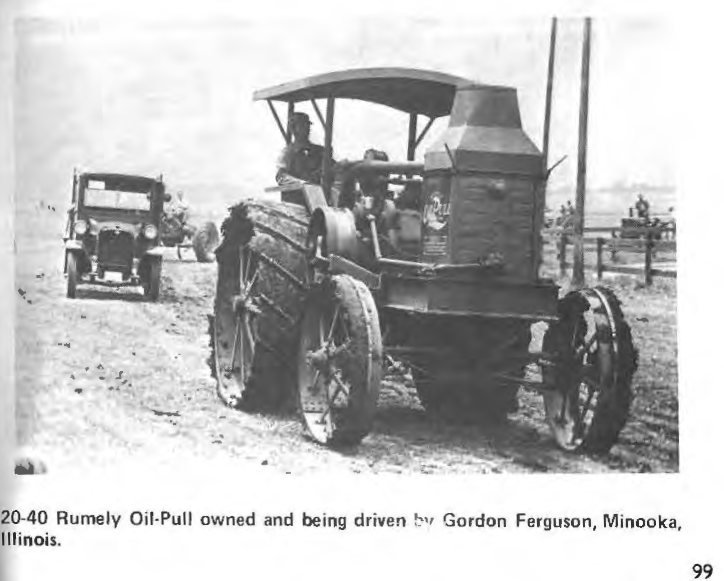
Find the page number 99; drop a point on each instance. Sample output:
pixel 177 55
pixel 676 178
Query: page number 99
pixel 702 571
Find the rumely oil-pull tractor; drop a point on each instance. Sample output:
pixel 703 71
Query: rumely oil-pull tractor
pixel 317 292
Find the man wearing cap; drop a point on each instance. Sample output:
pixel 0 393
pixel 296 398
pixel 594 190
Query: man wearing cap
pixel 301 159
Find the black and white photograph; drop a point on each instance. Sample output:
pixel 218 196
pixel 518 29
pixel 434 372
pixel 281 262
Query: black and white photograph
pixel 410 248
pixel 377 257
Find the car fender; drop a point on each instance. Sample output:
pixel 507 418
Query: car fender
pixel 73 246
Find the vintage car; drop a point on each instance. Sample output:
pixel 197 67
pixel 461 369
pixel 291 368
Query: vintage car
pixel 112 233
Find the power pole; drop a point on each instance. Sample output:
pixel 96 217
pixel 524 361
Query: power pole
pixel 578 279
pixel 549 92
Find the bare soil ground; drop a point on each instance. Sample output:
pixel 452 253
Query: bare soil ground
pixel 110 376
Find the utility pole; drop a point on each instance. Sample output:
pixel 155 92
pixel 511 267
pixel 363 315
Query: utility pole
pixel 549 92
pixel 578 279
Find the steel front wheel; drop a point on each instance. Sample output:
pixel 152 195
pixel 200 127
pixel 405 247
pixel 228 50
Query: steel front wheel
pixel 594 360
pixel 339 362
pixel 72 268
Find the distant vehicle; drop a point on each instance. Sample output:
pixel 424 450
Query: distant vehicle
pixel 112 233
pixel 642 227
pixel 178 231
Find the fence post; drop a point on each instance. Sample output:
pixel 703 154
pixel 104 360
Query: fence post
pixel 648 277
pixel 599 257
pixel 562 254
pixel 614 250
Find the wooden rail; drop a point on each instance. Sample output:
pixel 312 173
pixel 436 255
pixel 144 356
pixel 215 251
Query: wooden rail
pixel 648 246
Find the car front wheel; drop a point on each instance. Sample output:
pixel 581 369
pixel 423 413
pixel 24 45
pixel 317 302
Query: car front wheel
pixel 153 282
pixel 72 267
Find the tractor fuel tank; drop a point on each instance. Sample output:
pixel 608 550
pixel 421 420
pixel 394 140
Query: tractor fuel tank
pixel 483 186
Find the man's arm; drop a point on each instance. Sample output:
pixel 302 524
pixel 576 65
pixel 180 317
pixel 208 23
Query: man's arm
pixel 283 166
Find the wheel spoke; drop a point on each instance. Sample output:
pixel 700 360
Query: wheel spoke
pixel 235 345
pixel 331 327
pixel 250 340
pixel 253 280
pixel 585 348
pixel 590 383
pixel 322 333
pixel 341 387
pixel 582 417
pixel 313 387
pixel 245 260
pixel 242 363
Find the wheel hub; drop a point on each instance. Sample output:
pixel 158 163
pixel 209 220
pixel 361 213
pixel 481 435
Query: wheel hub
pixel 244 303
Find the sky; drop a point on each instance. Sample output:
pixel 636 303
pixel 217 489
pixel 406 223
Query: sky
pixel 174 96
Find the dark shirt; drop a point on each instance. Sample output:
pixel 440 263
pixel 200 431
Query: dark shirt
pixel 302 161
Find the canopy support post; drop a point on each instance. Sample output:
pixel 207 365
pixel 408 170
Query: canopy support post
pixel 319 114
pixel 290 114
pixel 285 135
pixel 412 137
pixel 327 160
pixel 424 131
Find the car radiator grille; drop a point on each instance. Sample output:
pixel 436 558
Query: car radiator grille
pixel 115 248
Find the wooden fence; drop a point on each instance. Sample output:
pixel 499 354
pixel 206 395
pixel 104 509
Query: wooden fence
pixel 611 247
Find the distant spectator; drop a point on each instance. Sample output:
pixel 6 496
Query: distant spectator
pixel 642 208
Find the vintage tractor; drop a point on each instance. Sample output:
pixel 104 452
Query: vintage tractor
pixel 641 228
pixel 178 231
pixel 434 264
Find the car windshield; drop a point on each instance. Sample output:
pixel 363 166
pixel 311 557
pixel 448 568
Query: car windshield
pixel 117 199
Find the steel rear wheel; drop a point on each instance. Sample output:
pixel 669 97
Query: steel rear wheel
pixel 595 360
pixel 260 292
pixel 339 362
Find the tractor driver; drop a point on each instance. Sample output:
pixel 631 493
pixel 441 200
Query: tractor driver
pixel 301 159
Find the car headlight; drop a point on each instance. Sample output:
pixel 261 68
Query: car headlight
pixel 150 231
pixel 80 227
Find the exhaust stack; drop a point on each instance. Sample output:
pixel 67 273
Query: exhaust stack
pixel 480 181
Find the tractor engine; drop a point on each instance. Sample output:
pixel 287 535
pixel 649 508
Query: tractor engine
pixel 482 189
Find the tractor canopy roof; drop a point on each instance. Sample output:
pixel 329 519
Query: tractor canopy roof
pixel 413 91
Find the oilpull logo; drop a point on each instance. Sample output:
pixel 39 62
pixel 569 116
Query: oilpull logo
pixel 436 213
pixel 151 518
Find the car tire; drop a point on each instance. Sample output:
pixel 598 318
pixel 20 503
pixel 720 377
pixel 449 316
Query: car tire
pixel 153 284
pixel 72 271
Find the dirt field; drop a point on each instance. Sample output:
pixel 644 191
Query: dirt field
pixel 109 375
